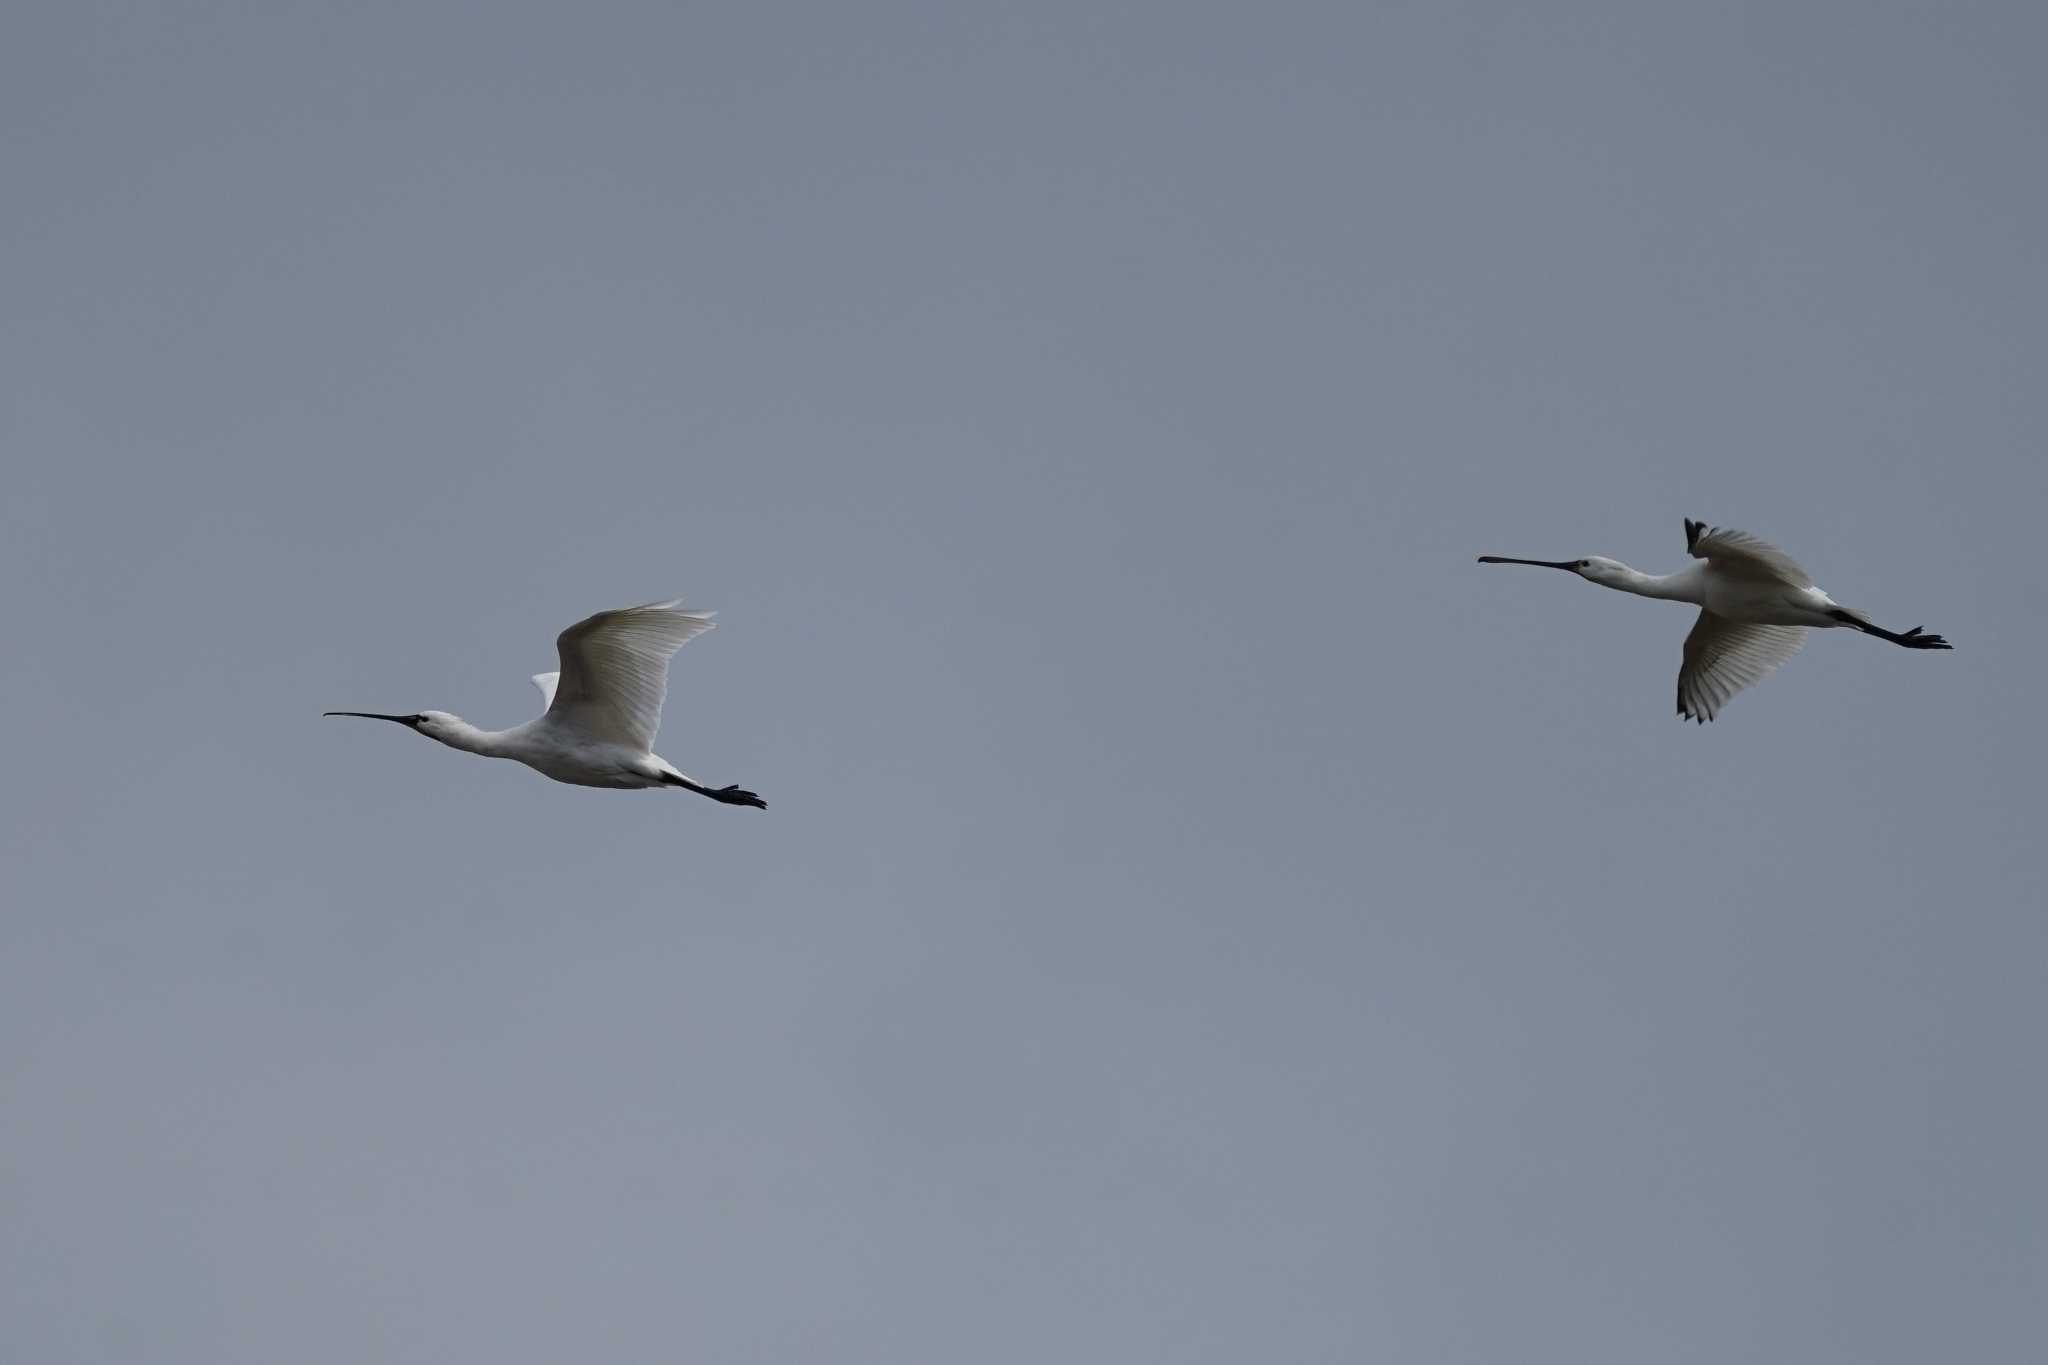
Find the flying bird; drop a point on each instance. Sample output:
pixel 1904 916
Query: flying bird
pixel 1756 606
pixel 603 706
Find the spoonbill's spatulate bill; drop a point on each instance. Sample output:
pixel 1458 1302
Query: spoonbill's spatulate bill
pixel 603 707
pixel 1756 606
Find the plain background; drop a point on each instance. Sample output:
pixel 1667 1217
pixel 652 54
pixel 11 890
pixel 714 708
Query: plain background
pixel 1201 915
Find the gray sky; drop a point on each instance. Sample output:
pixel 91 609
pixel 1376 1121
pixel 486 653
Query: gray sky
pixel 1201 916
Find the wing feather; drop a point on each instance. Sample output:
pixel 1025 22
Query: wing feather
pixel 1722 657
pixel 1739 552
pixel 615 670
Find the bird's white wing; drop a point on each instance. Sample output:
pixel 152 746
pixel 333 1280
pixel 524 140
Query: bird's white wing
pixel 1722 657
pixel 546 683
pixel 615 670
pixel 1743 554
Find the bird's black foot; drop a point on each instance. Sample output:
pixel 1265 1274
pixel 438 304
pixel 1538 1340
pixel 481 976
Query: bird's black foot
pixel 1912 639
pixel 733 796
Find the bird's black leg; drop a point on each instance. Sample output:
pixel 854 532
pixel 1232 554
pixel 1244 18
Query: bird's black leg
pixel 731 796
pixel 1912 639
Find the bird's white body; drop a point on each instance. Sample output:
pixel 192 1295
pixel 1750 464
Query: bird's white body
pixel 603 707
pixel 553 750
pixel 1756 605
pixel 1759 601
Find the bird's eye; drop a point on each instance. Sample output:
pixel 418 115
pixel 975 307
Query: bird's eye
pixel 1585 563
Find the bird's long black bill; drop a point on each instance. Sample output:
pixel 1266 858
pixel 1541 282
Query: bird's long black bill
pixel 1539 563
pixel 375 715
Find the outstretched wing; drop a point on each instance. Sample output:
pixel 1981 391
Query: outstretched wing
pixel 1722 657
pixel 615 670
pixel 1741 553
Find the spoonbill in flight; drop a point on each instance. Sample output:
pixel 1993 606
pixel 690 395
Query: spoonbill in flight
pixel 1755 603
pixel 603 707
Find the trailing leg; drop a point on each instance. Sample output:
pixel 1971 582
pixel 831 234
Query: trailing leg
pixel 731 796
pixel 1912 639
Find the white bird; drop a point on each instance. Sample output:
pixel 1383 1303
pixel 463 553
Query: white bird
pixel 603 707
pixel 1756 606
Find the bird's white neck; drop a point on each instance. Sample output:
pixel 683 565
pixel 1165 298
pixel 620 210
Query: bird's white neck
pixel 460 734
pixel 1683 586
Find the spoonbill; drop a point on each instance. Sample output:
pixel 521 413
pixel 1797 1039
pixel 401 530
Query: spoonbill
pixel 1756 606
pixel 603 706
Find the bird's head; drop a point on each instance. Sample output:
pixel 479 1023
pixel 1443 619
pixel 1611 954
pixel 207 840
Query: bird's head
pixel 1593 568
pixel 433 724
pixel 436 724
pixel 1600 569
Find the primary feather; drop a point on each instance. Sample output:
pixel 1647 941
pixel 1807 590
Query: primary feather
pixel 1722 657
pixel 1739 552
pixel 614 671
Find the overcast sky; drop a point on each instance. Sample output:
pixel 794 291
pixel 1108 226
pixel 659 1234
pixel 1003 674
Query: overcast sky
pixel 1201 916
